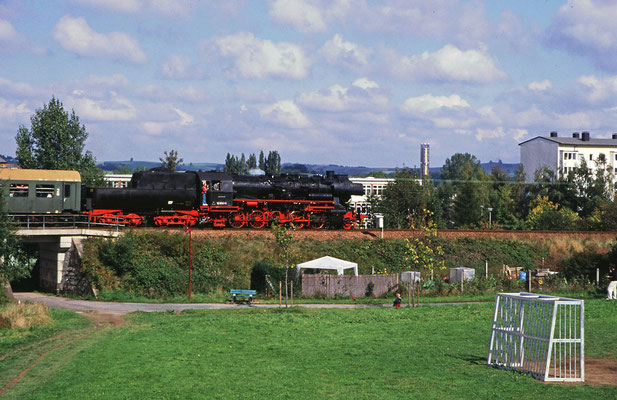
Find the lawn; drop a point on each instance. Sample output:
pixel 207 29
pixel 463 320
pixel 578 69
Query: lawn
pixel 375 353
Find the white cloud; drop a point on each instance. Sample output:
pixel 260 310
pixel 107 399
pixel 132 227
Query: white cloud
pixel 181 120
pixel 8 34
pixel 428 102
pixel 303 15
pixel 75 35
pixel 284 112
pixel 338 98
pixel 178 66
pixel 12 40
pixel 9 110
pixel 338 52
pixel 596 89
pixel 19 89
pixel 519 134
pixel 115 108
pixel 587 27
pixel 308 16
pixel 449 64
pixel 257 58
pixel 365 83
pixel 490 133
pixel 540 86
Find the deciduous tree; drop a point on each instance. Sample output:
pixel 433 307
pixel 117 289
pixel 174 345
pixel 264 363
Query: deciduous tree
pixel 13 260
pixel 56 140
pixel 171 160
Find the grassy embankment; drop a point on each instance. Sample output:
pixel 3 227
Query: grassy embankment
pixel 152 266
pixel 427 352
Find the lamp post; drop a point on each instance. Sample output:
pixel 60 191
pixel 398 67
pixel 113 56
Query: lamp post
pixel 490 210
pixel 188 229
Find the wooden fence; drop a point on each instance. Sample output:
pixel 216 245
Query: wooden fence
pixel 329 286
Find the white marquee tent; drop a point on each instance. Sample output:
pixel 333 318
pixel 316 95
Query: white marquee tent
pixel 328 262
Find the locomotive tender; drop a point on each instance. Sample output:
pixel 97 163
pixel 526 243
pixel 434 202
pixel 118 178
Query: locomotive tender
pixel 221 199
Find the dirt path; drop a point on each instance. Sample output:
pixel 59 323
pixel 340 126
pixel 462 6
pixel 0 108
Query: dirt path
pixel 99 321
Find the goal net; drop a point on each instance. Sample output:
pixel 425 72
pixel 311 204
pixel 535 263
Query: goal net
pixel 538 334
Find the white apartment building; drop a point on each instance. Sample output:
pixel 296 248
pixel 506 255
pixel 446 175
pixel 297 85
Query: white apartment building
pixel 371 186
pixel 118 180
pixel 563 154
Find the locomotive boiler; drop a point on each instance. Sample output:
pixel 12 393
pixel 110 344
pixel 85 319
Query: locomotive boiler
pixel 222 199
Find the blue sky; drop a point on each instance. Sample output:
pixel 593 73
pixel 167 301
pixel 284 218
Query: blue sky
pixel 353 82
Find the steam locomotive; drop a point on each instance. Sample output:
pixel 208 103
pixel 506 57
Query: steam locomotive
pixel 221 199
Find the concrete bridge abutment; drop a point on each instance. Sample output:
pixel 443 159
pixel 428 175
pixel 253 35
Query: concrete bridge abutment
pixel 60 253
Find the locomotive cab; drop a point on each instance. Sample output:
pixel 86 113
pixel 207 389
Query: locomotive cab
pixel 217 189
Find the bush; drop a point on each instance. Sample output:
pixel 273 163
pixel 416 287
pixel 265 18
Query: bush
pixel 156 264
pixel 275 274
pixel 582 265
pixel 23 315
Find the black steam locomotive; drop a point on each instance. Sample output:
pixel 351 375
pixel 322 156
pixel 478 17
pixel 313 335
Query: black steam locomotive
pixel 222 199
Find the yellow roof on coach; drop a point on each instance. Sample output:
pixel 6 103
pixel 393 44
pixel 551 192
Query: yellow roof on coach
pixel 39 175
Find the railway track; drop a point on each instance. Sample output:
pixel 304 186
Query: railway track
pixel 402 233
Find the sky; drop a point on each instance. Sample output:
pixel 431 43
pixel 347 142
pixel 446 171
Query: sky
pixel 348 82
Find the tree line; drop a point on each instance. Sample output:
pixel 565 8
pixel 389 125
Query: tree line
pixel 466 196
pixel 241 165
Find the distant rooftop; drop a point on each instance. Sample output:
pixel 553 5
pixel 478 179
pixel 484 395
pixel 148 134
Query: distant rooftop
pixel 577 139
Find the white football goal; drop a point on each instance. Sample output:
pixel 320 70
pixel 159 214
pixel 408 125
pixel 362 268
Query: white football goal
pixel 538 334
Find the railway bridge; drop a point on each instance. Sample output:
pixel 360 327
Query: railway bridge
pixel 60 250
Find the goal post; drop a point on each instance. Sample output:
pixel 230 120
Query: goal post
pixel 539 334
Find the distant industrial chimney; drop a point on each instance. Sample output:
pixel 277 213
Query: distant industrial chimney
pixel 575 135
pixel 424 160
pixel 585 136
pixel 553 134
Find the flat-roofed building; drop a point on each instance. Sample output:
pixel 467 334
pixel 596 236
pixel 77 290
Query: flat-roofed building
pixel 564 154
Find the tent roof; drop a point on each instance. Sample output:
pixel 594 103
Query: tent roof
pixel 328 262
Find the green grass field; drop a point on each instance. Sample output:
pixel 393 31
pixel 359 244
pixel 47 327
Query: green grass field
pixel 376 353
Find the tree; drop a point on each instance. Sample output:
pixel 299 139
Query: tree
pixel 262 161
pixel 424 250
pixel 454 166
pixel 471 195
pixel 273 163
pixel 13 260
pixel 402 200
pixel 171 161
pixel 463 190
pixel 252 162
pixel 56 141
pixel 546 215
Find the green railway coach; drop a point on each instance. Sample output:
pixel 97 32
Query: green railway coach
pixel 39 191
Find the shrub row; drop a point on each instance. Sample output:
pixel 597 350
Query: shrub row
pixel 155 264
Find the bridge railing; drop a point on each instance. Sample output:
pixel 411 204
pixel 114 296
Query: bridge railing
pixel 54 221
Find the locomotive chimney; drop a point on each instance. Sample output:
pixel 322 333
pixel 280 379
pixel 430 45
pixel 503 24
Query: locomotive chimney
pixel 575 135
pixel 614 135
pixel 585 136
pixel 553 134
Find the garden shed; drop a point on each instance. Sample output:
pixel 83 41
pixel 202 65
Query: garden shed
pixel 328 262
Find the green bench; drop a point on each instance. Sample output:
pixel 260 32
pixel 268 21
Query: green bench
pixel 242 294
